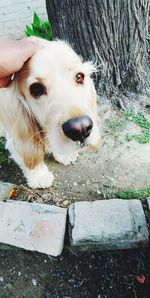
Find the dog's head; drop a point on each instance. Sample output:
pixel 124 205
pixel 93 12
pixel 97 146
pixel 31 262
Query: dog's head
pixel 57 88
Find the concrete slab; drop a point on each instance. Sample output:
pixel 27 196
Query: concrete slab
pixel 148 201
pixel 108 224
pixel 35 227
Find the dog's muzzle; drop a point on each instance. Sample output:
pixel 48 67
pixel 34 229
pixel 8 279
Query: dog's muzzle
pixel 78 129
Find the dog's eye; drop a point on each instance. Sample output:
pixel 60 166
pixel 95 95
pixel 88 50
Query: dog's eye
pixel 37 89
pixel 80 78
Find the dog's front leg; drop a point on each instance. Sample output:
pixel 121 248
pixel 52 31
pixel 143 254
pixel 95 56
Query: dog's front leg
pixel 39 177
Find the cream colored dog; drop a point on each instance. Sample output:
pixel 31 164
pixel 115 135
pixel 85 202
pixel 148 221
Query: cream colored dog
pixel 50 106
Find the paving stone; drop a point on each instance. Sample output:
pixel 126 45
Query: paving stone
pixel 35 227
pixel 5 188
pixel 108 224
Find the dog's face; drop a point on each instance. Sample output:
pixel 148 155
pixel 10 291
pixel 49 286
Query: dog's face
pixel 57 88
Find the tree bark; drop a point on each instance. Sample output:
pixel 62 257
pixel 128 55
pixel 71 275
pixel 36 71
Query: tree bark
pixel 114 33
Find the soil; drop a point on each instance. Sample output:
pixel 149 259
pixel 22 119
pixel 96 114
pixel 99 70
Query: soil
pixel 75 275
pixel 117 165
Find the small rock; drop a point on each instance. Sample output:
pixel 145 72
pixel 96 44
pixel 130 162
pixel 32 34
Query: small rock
pixel 39 200
pixel 34 282
pixel 65 203
pixel 1 278
pixel 75 183
pixel 46 197
pixel 8 286
pixel 5 188
pixel 19 273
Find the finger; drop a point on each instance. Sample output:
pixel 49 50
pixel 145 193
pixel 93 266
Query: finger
pixel 37 40
pixel 28 48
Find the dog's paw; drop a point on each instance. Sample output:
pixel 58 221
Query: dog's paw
pixel 40 178
pixel 66 159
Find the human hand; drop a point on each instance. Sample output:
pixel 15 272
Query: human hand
pixel 13 54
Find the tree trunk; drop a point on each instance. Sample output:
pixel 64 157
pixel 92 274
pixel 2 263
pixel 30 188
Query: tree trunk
pixel 114 33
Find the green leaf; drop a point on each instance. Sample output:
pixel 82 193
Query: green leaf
pixel 129 137
pixel 36 20
pixel 36 30
pixel 47 30
pixel 29 31
pixel 46 26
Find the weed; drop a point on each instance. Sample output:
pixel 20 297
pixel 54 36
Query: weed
pixel 139 119
pixel 134 194
pixel 143 123
pixel 108 192
pixel 4 157
pixel 39 28
pixel 115 126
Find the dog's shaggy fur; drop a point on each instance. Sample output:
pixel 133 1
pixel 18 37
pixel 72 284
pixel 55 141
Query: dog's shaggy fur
pixel 33 122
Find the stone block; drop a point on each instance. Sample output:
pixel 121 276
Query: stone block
pixel 148 201
pixel 31 226
pixel 108 224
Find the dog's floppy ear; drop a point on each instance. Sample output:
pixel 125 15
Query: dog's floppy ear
pixel 29 138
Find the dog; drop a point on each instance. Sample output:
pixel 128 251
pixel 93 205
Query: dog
pixel 50 106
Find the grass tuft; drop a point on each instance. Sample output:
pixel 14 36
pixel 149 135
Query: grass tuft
pixel 140 120
pixel 134 194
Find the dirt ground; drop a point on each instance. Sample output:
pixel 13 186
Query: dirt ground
pixel 118 164
pixel 75 275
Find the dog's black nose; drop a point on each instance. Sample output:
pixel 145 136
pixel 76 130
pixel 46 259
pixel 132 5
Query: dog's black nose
pixel 78 129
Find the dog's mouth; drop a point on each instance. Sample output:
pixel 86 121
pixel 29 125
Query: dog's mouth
pixel 82 143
